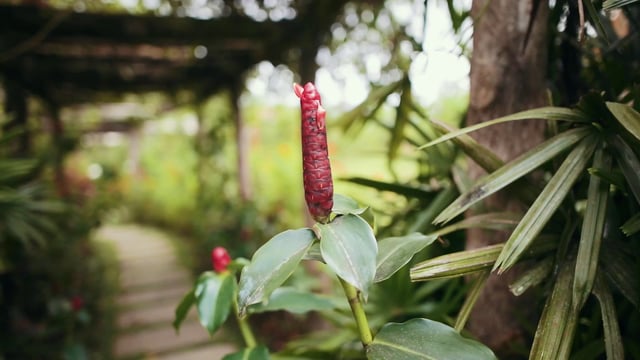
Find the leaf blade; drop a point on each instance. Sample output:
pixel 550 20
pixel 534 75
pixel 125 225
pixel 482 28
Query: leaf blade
pixel 272 264
pixel 626 116
pixel 395 252
pixel 214 295
pixel 511 172
pixel 349 248
pixel 592 231
pixel 546 204
pixel 424 339
pixel 546 113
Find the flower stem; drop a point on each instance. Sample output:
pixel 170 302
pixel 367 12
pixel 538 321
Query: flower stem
pixel 245 329
pixel 358 312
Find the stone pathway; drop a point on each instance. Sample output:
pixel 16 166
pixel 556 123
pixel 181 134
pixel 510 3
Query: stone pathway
pixel 152 283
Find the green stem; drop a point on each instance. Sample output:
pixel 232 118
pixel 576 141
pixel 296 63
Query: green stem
pixel 358 313
pixel 245 329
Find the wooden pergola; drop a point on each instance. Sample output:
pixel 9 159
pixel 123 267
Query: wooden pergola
pixel 66 58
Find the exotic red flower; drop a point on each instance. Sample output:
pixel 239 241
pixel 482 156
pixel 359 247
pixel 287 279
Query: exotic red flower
pixel 220 259
pixel 316 170
pixel 77 303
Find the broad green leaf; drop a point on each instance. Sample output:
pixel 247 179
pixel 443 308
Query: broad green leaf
pixel 272 264
pixel 214 295
pixel 629 164
pixel 512 171
pixel 592 231
pixel 532 277
pixel 612 4
pixel 470 301
pixel 256 353
pixel 424 339
pixel 395 252
pixel 183 308
pixel 627 117
pixel 349 248
pixel 546 204
pixel 612 338
pixel 294 301
pixel 554 334
pixel 632 225
pixel 345 205
pixel 545 113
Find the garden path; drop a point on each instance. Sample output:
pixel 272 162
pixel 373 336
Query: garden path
pixel 152 283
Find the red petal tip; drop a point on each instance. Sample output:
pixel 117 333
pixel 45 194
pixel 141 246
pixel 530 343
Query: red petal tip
pixel 298 89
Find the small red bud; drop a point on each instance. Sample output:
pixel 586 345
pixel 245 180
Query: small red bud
pixel 220 259
pixel 77 303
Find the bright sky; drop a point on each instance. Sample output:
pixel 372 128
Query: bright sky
pixel 439 70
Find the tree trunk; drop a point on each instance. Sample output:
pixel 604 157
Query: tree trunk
pixel 505 78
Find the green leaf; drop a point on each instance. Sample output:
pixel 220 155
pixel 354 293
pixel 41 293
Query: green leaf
pixel 592 231
pixel 395 252
pixel 484 157
pixel 424 339
pixel 557 324
pixel 619 268
pixel 632 225
pixel 214 295
pixel 349 248
pixel 183 308
pixel 545 113
pixel 469 302
pixel 314 253
pixel 489 221
pixel 456 264
pixel 512 171
pixel 532 277
pixel 595 19
pixel 612 338
pixel 470 261
pixel 272 264
pixel 259 352
pixel 546 204
pixel 629 164
pixel 402 118
pixel 627 117
pixel 612 4
pixel 294 301
pixel 408 191
pixel 345 205
pixel 424 218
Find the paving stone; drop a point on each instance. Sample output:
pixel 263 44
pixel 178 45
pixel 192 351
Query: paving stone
pixel 210 352
pixel 152 283
pixel 173 292
pixel 161 340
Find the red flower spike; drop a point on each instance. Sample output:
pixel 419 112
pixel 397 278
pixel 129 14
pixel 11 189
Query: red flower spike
pixel 316 169
pixel 220 259
pixel 77 303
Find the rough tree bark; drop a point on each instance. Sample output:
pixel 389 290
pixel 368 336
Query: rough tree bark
pixel 505 78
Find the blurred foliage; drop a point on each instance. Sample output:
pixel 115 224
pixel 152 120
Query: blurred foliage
pixel 56 286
